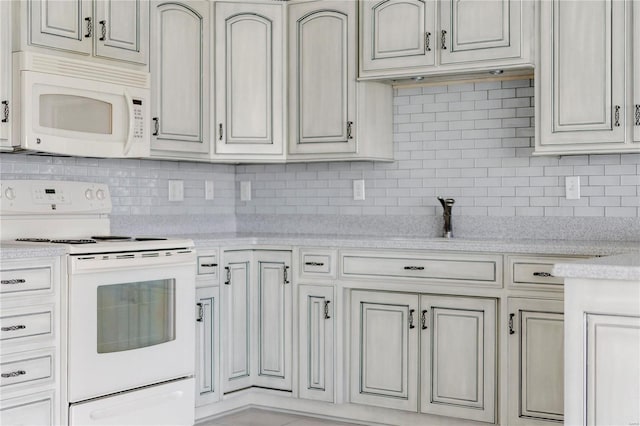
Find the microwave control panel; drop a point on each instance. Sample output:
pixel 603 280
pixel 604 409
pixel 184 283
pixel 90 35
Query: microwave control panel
pixel 138 119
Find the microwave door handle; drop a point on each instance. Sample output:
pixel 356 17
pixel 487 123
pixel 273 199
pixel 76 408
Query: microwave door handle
pixel 129 101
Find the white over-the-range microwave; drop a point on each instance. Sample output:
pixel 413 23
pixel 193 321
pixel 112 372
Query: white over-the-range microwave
pixel 74 107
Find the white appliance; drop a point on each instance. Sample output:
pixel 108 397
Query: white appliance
pixel 130 332
pixel 81 108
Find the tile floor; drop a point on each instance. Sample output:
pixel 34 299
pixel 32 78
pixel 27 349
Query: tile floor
pixel 257 417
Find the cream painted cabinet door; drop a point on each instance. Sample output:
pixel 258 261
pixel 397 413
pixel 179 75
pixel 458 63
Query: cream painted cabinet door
pixel 458 357
pixel 272 298
pixel 536 361
pixel 179 65
pixel 322 73
pixel 384 349
pixel 315 340
pixel 396 34
pixel 122 30
pixel 5 73
pixel 612 346
pixel 479 30
pixel 636 71
pixel 236 321
pixel 249 78
pixel 62 24
pixel 580 95
pixel 207 345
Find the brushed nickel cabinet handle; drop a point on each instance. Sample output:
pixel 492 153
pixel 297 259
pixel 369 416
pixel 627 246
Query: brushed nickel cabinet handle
pixel 14 327
pixel 228 281
pixel 156 126
pixel 424 319
pixel 616 115
pixel 14 374
pixel 511 330
pixel 542 274
pixel 200 312
pixel 414 268
pixel 89 27
pixel 637 114
pixel 427 42
pixel 411 325
pixel 220 132
pixel 349 129
pixel 286 274
pixel 208 265
pixel 314 263
pixel 5 111
pixel 443 40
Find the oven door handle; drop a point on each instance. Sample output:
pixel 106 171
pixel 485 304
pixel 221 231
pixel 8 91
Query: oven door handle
pixel 129 142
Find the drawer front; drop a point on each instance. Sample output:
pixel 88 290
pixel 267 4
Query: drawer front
pixel 25 280
pixel 25 325
pixel 208 265
pixel 535 272
pixel 32 410
pixel 26 370
pixel 463 269
pixel 317 263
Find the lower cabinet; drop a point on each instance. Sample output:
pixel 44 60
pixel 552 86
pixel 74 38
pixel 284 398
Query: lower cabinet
pixel 207 344
pixel 315 342
pixel 536 361
pixel 256 320
pixel 444 346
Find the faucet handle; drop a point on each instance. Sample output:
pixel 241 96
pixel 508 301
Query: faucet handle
pixel 446 202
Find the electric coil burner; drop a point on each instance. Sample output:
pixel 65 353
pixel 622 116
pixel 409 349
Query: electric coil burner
pixel 130 303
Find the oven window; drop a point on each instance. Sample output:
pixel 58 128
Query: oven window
pixel 75 113
pixel 135 315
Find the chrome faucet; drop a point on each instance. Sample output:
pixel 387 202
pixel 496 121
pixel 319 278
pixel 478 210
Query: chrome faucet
pixel 447 203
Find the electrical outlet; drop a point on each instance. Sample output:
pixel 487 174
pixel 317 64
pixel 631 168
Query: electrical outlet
pixel 208 190
pixel 358 190
pixel 572 187
pixel 176 190
pixel 245 191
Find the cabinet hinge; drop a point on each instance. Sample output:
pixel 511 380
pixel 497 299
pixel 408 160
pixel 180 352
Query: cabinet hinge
pixel 5 111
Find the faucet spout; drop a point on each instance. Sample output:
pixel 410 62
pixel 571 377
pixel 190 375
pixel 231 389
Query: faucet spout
pixel 447 204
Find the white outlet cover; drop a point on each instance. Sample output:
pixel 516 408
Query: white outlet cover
pixel 245 191
pixel 209 190
pixel 176 190
pixel 572 187
pixel 358 190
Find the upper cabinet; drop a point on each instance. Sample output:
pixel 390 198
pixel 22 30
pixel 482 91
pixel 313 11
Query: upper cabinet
pixel 581 80
pixel 5 74
pixel 180 79
pixel 405 38
pixel 331 115
pixel 109 29
pixel 249 79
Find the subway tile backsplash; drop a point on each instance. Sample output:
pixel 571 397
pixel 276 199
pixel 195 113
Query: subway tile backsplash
pixel 469 141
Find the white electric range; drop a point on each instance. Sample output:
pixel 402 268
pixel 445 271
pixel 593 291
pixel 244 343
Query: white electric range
pixel 130 331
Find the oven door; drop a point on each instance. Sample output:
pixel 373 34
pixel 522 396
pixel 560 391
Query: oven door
pixel 76 116
pixel 130 321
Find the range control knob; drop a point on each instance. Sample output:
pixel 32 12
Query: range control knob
pixel 88 194
pixel 100 194
pixel 10 193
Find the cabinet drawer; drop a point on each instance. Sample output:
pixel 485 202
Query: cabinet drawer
pixel 463 268
pixel 25 280
pixel 25 370
pixel 317 263
pixel 535 272
pixel 31 410
pixel 20 324
pixel 208 265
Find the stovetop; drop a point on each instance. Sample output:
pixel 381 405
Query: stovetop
pixel 110 244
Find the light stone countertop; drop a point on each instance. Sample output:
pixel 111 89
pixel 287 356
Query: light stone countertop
pixel 620 267
pixel 22 251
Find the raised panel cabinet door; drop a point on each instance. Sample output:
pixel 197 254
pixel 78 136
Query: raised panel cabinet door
pixel 612 369
pixel 458 357
pixel 207 345
pixel 536 361
pixel 179 65
pixel 5 72
pixel 636 71
pixel 273 303
pixel 62 24
pixel 122 30
pixel 236 322
pixel 384 349
pixel 249 78
pixel 582 73
pixel 322 72
pixel 397 34
pixel 316 333
pixel 479 30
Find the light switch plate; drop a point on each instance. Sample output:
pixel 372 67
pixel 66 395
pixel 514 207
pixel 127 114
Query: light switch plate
pixel 358 190
pixel 572 187
pixel 209 190
pixel 245 191
pixel 176 190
